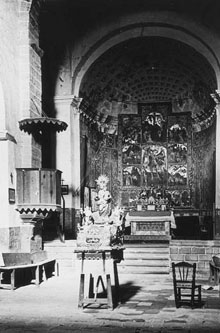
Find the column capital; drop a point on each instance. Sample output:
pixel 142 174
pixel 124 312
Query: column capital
pixel 216 96
pixel 25 5
pixel 64 99
pixel 70 100
pixel 76 102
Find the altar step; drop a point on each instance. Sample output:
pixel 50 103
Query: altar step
pixel 152 258
pixel 62 251
pixel 138 258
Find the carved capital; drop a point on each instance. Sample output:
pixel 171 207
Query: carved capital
pixel 76 102
pixel 6 136
pixel 25 6
pixel 216 96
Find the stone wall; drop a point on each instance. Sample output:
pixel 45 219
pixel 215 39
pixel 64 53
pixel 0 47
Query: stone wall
pixel 197 251
pixel 18 58
pixel 10 105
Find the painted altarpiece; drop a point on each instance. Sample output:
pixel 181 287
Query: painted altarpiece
pixel 160 146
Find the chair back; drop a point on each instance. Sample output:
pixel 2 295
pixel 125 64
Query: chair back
pixel 184 273
pixel 185 288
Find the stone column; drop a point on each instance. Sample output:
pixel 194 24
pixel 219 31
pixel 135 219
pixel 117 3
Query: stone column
pixel 216 231
pixel 216 97
pixel 68 157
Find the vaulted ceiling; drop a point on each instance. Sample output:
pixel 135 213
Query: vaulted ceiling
pixel 145 69
pixel 150 69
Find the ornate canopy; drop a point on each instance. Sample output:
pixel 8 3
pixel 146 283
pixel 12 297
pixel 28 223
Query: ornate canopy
pixel 41 124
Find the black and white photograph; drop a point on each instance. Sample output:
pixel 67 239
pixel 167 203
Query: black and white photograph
pixel 110 166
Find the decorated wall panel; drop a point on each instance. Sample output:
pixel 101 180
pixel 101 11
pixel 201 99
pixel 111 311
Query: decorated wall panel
pixel 154 149
pixel 99 155
pixel 203 188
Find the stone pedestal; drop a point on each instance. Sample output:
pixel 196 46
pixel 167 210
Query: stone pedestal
pixel 24 238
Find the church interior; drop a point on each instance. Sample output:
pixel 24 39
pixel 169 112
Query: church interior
pixel 147 115
pixel 126 89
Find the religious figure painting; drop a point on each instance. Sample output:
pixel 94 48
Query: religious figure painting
pixel 178 128
pixel 177 175
pixel 131 154
pixel 179 198
pixel 154 159
pixel 154 121
pixel 131 129
pixel 177 153
pixel 132 176
pixel 177 133
pixel 154 127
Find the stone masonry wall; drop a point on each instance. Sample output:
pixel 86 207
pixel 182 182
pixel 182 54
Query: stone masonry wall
pixel 197 251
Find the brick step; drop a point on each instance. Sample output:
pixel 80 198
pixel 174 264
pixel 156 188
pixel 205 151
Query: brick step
pixel 147 238
pixel 59 250
pixel 145 262
pixel 141 259
pixel 69 253
pixel 57 243
pixel 62 258
pixel 63 263
pixel 146 249
pixel 142 270
pixel 146 244
pixel 147 256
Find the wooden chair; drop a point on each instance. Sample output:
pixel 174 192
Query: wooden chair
pixel 186 291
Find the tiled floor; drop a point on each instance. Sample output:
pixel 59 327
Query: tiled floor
pixel 147 306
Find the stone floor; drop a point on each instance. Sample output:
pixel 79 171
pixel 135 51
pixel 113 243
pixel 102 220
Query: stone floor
pixel 147 306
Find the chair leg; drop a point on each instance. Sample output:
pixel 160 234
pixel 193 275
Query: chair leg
pixel 192 298
pixel 199 295
pixel 177 297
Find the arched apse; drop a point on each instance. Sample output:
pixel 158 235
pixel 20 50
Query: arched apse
pixel 150 69
pixel 145 25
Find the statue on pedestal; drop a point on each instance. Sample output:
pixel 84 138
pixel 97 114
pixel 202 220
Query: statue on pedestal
pixel 103 200
pixel 103 227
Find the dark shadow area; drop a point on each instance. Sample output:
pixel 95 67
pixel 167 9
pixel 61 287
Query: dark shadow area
pixel 52 228
pixel 187 227
pixel 23 277
pixel 121 296
pixel 127 291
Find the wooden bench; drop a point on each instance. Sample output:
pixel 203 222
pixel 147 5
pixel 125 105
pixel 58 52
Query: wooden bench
pixel 37 270
pixel 214 273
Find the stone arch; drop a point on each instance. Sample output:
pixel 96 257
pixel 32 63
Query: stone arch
pixel 147 24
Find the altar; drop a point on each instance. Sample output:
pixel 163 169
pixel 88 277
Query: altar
pixel 150 225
